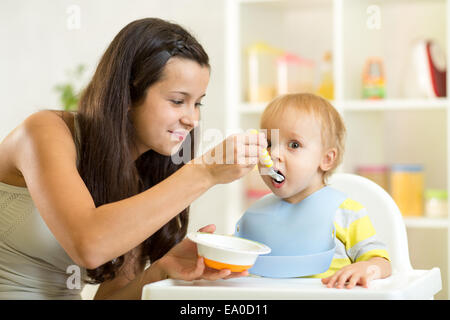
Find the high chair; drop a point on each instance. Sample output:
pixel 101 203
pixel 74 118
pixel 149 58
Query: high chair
pixel 404 283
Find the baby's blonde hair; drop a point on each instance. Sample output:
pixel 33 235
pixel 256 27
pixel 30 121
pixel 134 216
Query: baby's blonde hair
pixel 332 130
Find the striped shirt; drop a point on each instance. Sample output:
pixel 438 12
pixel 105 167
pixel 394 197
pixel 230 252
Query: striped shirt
pixel 355 238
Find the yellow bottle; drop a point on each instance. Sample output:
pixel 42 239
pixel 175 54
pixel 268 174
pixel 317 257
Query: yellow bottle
pixel 326 87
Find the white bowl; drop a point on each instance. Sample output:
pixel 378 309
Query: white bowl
pixel 227 252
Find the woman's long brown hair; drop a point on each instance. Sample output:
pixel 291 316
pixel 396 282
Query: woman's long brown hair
pixel 133 62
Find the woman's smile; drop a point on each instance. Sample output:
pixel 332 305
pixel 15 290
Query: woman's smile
pixel 178 135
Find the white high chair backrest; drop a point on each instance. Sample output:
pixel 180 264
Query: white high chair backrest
pixel 383 212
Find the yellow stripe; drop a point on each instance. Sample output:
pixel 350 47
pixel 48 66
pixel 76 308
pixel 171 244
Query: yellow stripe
pixel 352 205
pixel 359 230
pixel 373 253
pixel 336 264
pixel 341 233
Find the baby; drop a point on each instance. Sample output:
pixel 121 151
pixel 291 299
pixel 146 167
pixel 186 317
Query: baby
pixel 305 137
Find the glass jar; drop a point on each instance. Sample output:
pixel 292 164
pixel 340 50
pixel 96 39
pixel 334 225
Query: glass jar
pixel 377 173
pixel 436 205
pixel 294 74
pixel 407 188
pixel 261 66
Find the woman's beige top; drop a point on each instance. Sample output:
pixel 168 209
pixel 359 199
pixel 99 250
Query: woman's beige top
pixel 33 265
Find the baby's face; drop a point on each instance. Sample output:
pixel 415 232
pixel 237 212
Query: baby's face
pixel 297 153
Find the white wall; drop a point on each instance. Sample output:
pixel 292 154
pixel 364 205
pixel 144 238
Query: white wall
pixel 37 49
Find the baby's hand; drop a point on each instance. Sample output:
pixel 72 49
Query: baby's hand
pixel 360 273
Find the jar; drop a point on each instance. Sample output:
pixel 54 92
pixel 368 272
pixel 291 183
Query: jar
pixel 261 66
pixel 436 203
pixel 407 188
pixel 376 173
pixel 294 74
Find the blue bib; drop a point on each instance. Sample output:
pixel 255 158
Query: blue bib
pixel 300 235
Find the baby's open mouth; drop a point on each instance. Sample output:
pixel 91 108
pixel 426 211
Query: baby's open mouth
pixel 278 181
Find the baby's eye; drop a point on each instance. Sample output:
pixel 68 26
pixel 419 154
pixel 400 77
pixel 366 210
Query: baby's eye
pixel 294 145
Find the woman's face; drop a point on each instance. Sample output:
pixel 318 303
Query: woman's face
pixel 170 109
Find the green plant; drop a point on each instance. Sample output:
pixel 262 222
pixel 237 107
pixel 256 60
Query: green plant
pixel 69 91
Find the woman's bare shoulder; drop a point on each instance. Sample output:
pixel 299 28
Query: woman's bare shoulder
pixel 47 131
pixel 49 120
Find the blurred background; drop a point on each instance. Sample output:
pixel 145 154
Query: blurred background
pixel 382 63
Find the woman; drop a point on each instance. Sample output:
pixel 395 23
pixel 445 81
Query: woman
pixel 98 189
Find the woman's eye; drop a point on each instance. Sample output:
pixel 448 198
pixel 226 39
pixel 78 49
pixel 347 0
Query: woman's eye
pixel 179 102
pixel 294 145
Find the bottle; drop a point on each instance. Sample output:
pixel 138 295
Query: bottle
pixel 373 79
pixel 326 86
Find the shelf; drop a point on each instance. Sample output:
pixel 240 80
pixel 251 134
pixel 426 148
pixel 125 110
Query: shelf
pixel 422 222
pixel 365 105
pixel 288 4
pixel 393 104
pixel 246 108
pixel 252 108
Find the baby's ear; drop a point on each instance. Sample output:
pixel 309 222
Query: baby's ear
pixel 328 159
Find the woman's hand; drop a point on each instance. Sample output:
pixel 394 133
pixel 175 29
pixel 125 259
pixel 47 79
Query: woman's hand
pixel 359 273
pixel 233 158
pixel 182 262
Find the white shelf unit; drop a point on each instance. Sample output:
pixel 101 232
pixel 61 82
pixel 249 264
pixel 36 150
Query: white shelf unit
pixel 397 129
